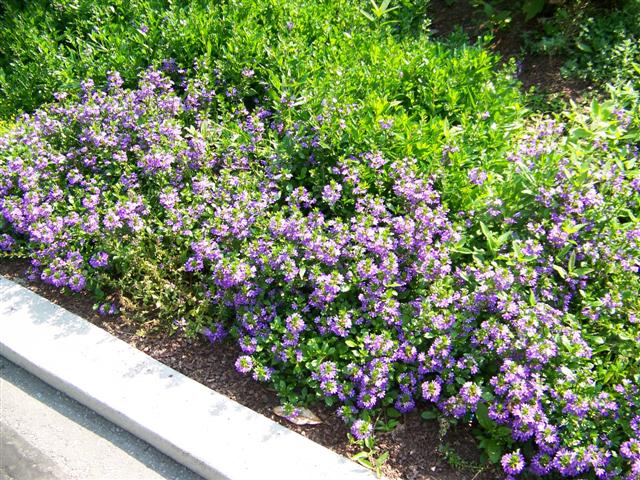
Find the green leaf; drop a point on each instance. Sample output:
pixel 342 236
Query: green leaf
pixel 482 415
pixel 572 261
pixel 561 271
pixel 382 459
pixel 626 337
pixel 367 15
pixel 369 442
pixel 359 456
pixel 579 272
pixel 485 231
pixel 531 8
pixel 494 451
pixel 578 133
pixel 584 47
pixel 491 239
pixel 393 413
pixel 574 228
pixel 429 415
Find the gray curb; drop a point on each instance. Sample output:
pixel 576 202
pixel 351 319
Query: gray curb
pixel 196 426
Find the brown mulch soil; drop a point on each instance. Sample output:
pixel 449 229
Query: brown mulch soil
pixel 413 446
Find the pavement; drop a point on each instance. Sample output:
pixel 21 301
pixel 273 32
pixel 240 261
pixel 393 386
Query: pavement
pixel 44 434
pixel 195 426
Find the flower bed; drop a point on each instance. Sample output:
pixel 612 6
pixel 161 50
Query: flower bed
pixel 358 279
pixel 372 215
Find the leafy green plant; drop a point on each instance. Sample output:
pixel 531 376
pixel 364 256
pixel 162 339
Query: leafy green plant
pixel 599 44
pixel 378 12
pixel 454 459
pixel 371 457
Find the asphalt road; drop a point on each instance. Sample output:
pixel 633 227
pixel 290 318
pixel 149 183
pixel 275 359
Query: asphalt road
pixel 44 434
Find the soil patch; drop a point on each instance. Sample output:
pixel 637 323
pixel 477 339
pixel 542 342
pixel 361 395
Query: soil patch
pixel 416 449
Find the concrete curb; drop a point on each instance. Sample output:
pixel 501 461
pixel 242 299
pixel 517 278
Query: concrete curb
pixel 196 426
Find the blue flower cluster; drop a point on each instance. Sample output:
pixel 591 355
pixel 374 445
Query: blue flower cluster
pixel 347 276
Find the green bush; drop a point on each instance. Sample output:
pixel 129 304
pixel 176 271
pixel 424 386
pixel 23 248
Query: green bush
pixel 48 45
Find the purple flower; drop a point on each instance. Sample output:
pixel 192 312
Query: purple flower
pixel 244 364
pixel 404 403
pixel 295 323
pixel 332 193
pixel 6 242
pixel 107 309
pixel 329 387
pixel 471 393
pixel 77 282
pixel 340 324
pixel 98 260
pixel 513 463
pixel 194 264
pixel 567 462
pixel 262 373
pixel 327 371
pixel 477 176
pixel 169 65
pixel 385 124
pixel 431 390
pixel 114 80
pixel 631 449
pixel 635 424
pixel 361 429
pixel 214 335
pixel 541 464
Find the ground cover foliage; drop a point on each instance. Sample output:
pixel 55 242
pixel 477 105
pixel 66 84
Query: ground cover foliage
pixel 596 40
pixel 374 217
pixel 599 39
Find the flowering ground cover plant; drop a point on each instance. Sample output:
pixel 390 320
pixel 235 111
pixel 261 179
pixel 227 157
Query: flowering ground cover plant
pixel 350 279
pixel 374 217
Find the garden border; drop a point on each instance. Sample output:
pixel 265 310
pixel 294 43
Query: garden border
pixel 209 433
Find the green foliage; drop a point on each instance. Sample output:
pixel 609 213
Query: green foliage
pixel 48 45
pixel 598 40
pixel 371 456
pixel 325 57
pixel 600 44
pixel 454 459
pixel 606 48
